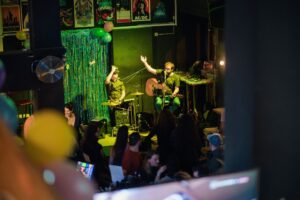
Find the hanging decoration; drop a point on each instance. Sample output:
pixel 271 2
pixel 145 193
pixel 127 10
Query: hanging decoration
pixel 108 26
pixel 87 61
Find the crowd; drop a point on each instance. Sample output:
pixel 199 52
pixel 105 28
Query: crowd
pixel 182 151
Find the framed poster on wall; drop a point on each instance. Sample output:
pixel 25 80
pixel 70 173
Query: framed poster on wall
pixel 66 14
pixel 84 13
pixel 24 16
pixel 140 10
pixel 9 2
pixel 11 18
pixel 123 11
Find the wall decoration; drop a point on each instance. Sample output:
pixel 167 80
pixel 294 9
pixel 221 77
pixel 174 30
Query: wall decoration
pixel 160 12
pixel 123 11
pixel 11 18
pixel 140 10
pixel 104 11
pixel 66 14
pixel 9 2
pixel 87 58
pixel 24 16
pixel 84 13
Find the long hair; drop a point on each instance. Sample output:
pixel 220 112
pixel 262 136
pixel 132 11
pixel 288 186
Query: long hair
pixel 187 145
pixel 121 139
pixel 121 143
pixel 90 136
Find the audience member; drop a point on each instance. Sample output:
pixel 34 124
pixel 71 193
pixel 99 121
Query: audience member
pixel 215 158
pixel 93 153
pixel 151 170
pixel 186 146
pixel 132 159
pixel 117 151
pixel 166 123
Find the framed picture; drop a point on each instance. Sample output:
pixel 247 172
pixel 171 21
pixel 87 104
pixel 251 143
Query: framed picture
pixel 24 16
pixel 11 18
pixel 83 13
pixel 123 11
pixel 9 2
pixel 66 14
pixel 104 12
pixel 140 10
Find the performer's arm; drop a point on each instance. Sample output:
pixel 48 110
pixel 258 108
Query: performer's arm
pixel 148 67
pixel 175 92
pixel 177 85
pixel 123 94
pixel 108 78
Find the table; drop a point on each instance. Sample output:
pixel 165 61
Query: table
pixel 184 77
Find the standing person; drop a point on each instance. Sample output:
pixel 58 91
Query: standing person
pixel 116 91
pixel 170 85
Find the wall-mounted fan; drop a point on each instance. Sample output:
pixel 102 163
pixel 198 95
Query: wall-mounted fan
pixel 50 69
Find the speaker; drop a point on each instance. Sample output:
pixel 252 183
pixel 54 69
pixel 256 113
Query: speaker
pixel 122 117
pixel 145 121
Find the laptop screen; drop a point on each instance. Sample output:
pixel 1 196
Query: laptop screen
pixel 86 169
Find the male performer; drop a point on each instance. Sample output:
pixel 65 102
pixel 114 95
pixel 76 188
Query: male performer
pixel 116 91
pixel 171 84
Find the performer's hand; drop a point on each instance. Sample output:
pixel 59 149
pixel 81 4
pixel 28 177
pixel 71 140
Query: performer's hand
pixel 113 68
pixel 143 59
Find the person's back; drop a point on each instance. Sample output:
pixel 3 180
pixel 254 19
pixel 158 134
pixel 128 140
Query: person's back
pixel 132 159
pixel 93 151
pixel 117 151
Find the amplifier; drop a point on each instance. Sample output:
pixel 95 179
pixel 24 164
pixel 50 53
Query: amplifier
pixel 122 117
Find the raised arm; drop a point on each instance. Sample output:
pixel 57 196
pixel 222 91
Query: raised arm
pixel 148 67
pixel 108 78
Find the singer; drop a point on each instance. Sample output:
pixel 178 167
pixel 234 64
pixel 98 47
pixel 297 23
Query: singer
pixel 168 95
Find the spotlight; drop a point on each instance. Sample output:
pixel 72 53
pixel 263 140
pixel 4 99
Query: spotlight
pixel 222 63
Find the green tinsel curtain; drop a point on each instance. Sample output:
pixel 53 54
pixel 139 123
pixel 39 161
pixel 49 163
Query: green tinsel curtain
pixel 86 69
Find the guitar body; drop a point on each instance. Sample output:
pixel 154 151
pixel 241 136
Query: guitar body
pixel 153 88
pixel 152 85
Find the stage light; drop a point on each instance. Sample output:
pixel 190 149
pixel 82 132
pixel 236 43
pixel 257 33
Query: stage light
pixel 222 63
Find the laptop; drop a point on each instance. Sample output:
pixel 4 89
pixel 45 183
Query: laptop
pixel 116 173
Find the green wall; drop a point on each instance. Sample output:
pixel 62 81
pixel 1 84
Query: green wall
pixel 128 45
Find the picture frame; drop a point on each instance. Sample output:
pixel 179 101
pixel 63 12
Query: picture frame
pixel 123 11
pixel 66 14
pixel 9 2
pixel 84 13
pixel 104 12
pixel 10 18
pixel 140 10
pixel 24 15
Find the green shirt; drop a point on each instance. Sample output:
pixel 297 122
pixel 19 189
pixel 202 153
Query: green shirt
pixel 171 81
pixel 115 89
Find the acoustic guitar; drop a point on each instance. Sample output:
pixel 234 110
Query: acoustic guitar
pixel 152 86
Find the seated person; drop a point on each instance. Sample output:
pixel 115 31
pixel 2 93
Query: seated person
pixel 170 85
pixel 151 169
pixel 215 158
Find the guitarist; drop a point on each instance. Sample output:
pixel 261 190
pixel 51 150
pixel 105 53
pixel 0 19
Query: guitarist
pixel 170 85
